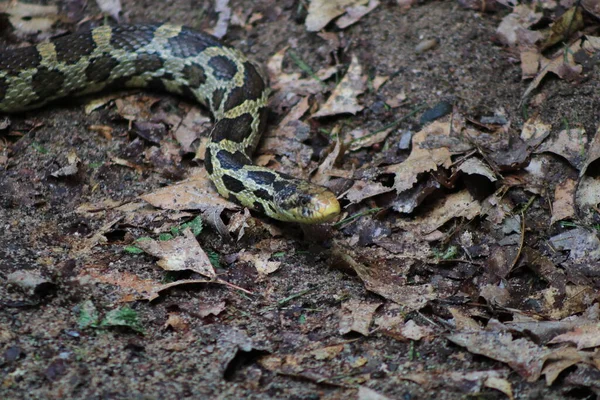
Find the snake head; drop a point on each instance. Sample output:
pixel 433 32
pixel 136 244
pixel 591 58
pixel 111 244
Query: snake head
pixel 306 203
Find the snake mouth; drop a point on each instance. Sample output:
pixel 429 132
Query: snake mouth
pixel 325 207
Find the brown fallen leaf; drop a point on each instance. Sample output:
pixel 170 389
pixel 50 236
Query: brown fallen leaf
pixel 422 159
pixel 355 13
pixel 344 97
pixel 187 132
pixel 587 198
pixel 474 165
pixel 584 337
pixel 563 206
pixel 136 107
pixel 194 193
pixel 384 280
pixel 356 316
pixel 593 152
pixel 361 190
pixel 568 143
pixel 471 382
pixel 321 12
pixel 134 288
pixel 511 29
pixel 525 357
pixel 455 205
pixel 562 64
pixel 180 253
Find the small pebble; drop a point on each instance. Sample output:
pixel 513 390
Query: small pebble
pixel 426 45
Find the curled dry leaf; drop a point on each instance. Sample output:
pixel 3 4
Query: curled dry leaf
pixel 344 97
pixel 562 64
pixel 474 165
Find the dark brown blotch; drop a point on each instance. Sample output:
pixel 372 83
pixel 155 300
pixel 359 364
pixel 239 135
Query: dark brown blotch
pixel 100 68
pixel 191 43
pixel 3 88
pixel 234 129
pixel 252 89
pixel 195 75
pixel 262 177
pixel 233 184
pixel 217 98
pixel 147 63
pixel 284 189
pixel 132 37
pixel 47 83
pixel 224 68
pixel 13 62
pixel 70 49
pixel 208 161
pixel 156 84
pixel 232 161
pixel 263 194
pixel 258 207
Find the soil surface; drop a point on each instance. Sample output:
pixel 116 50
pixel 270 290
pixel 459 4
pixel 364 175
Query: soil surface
pixel 257 344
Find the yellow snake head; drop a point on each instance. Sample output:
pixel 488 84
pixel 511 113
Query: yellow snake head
pixel 306 203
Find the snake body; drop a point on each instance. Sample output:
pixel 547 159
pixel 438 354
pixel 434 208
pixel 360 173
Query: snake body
pixel 184 62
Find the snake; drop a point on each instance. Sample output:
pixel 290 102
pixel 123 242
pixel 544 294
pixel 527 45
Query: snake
pixel 180 61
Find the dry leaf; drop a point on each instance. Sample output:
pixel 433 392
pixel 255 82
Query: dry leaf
pixel 584 337
pixel 110 7
pixel 344 97
pixel 523 356
pixel 29 19
pixel 194 193
pixel 563 206
pixel 179 254
pixel 353 14
pixel 321 12
pixel 422 158
pixel 356 316
pixel 455 205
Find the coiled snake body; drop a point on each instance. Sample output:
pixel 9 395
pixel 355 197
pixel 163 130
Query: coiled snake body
pixel 180 61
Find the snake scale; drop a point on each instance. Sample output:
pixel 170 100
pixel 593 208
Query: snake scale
pixel 184 62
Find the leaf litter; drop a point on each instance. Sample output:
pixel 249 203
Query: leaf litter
pixel 444 231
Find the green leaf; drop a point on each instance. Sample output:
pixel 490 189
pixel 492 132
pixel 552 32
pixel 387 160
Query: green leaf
pixel 123 317
pixel 88 315
pixel 133 249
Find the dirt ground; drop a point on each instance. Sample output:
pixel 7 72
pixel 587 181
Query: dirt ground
pixel 287 335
